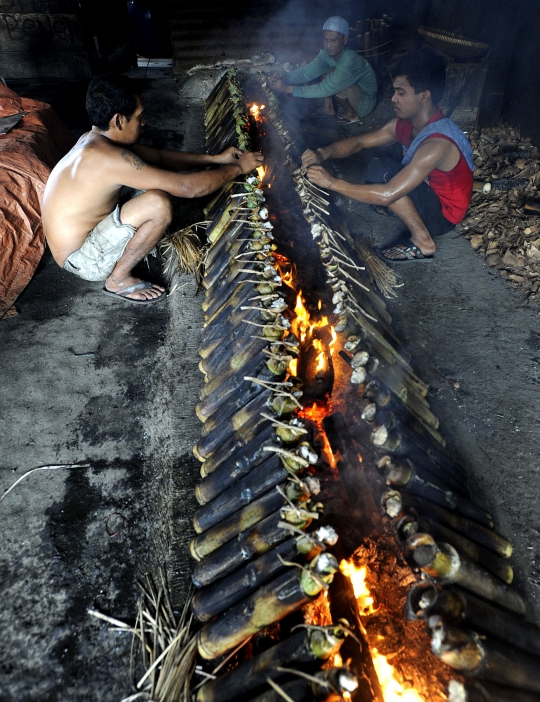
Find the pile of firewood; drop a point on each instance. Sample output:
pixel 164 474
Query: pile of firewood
pixel 500 223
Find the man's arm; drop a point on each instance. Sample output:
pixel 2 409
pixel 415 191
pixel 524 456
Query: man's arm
pixel 182 160
pixel 431 154
pixel 385 136
pixel 128 168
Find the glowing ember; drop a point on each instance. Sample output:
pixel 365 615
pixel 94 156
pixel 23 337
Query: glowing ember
pixel 293 367
pixel 256 110
pixel 392 689
pixel 260 172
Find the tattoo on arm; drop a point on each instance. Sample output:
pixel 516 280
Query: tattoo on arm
pixel 133 160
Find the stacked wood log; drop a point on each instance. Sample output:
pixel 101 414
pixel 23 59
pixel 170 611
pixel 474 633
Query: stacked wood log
pixel 501 224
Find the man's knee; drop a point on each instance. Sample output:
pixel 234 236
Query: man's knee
pixel 159 204
pixel 381 169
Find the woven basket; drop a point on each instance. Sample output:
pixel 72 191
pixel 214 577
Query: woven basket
pixel 452 44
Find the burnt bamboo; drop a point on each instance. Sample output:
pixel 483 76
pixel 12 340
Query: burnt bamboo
pixel 270 604
pixel 259 481
pixel 234 525
pixel 240 297
pixel 426 471
pixel 224 407
pixel 404 475
pixel 464 609
pixel 304 648
pixel 476 691
pixel 442 562
pixel 228 329
pixel 244 458
pixel 210 601
pixel 396 503
pixel 233 355
pixel 250 543
pixel 486 659
pixel 496 565
pixel 243 421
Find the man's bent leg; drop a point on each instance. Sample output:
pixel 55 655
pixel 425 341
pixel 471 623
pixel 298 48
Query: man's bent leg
pixel 406 211
pixel 150 213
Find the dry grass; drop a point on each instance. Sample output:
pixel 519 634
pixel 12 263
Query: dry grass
pixel 183 252
pixel 383 276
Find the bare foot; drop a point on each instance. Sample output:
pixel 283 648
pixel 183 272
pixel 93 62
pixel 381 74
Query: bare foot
pixel 147 294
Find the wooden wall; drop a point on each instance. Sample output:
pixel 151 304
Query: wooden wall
pixel 41 38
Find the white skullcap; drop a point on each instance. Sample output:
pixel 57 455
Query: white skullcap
pixel 336 24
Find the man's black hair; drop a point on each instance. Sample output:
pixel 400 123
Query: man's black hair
pixel 425 70
pixel 109 94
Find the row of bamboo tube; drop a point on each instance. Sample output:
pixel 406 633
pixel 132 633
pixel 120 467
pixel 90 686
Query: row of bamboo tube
pixel 258 510
pixel 478 625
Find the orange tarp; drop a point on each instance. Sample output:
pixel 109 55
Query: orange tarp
pixel 27 155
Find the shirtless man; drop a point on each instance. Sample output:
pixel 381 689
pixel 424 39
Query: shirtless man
pixel 88 229
pixel 431 188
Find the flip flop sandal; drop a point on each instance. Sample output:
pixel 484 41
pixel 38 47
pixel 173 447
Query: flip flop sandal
pixel 121 294
pixel 409 250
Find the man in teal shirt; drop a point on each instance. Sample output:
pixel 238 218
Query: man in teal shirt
pixel 347 76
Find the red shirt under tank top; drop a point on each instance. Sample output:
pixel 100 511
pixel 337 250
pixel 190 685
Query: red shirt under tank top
pixel 453 188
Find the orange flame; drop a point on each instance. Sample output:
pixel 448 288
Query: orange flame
pixel 293 367
pixel 334 339
pixel 256 110
pixel 392 689
pixel 260 172
pixel 321 356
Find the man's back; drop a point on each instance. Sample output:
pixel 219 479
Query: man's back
pixel 80 192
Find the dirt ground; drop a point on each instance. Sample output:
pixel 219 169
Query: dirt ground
pixel 128 410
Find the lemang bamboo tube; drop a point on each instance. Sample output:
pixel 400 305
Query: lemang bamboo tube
pixel 241 422
pixel 464 609
pixel 396 503
pixel 307 647
pixel 215 598
pixel 486 659
pixel 239 463
pixel 476 691
pixel 442 562
pixel 270 604
pixel 403 474
pixel 249 544
pixel 257 482
pixel 409 525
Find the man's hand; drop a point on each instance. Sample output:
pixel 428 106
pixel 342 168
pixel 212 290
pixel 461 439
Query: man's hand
pixel 321 177
pixel 249 161
pixel 275 82
pixel 230 155
pixel 311 158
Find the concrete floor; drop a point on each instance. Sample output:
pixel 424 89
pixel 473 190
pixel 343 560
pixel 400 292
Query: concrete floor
pixel 128 410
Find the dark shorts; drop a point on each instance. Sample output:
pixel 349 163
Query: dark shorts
pixel 382 168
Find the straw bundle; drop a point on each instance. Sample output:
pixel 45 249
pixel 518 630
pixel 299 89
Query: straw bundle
pixel 183 252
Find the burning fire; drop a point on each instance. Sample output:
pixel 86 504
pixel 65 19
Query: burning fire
pixel 256 111
pixel 321 356
pixel 392 689
pixel 260 172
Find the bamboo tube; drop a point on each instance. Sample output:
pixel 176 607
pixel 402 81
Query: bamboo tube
pixel 226 592
pixel 326 686
pixel 244 458
pixel 215 598
pixel 442 562
pixel 240 297
pixel 227 330
pixel 486 659
pixel 403 474
pixel 219 407
pixel 464 609
pixel 306 647
pixel 234 441
pixel 256 483
pixel 214 231
pixel 226 244
pixel 395 503
pixel 476 691
pixel 496 565
pixel 250 543
pixel 229 528
pixel 426 470
pixel 270 604
pixel 242 422
pixel 297 690
pixel 232 355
